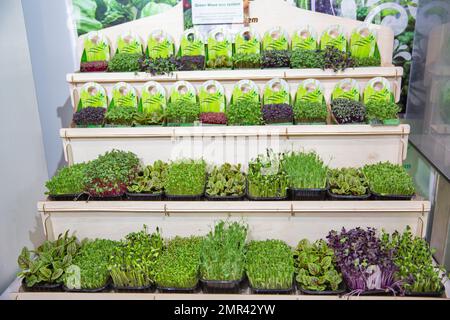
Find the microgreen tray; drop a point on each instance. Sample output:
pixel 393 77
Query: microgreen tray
pixel 280 124
pixel 43 287
pixel 114 198
pixel 105 288
pixel 318 123
pixel 68 197
pixel 438 294
pixel 266 199
pixel 184 198
pixel 144 196
pixel 217 286
pixel 175 124
pixel 339 197
pixel 308 194
pixel 342 289
pixel 379 292
pixel 390 197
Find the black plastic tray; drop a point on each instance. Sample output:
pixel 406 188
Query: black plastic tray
pixel 44 287
pixel 184 198
pixel 105 288
pixel 229 198
pixel 116 198
pixel 146 289
pixel 272 291
pixel 267 199
pixel 333 196
pixel 376 196
pixel 438 294
pixel 68 197
pixel 308 194
pixel 376 293
pixel 342 289
pixel 144 196
pixel 214 286
pixel 178 290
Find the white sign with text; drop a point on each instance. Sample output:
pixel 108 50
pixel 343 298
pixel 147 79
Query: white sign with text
pixel 217 11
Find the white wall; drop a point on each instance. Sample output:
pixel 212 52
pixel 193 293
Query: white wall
pixel 23 169
pixel 52 44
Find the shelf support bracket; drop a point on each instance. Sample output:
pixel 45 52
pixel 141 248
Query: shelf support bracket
pixel 166 213
pixel 44 217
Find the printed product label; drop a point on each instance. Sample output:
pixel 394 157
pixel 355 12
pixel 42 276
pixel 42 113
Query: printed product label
pixel 153 98
pixel 310 90
pixel 246 90
pixel 92 95
pixel 363 42
pixel 192 44
pixel 276 91
pixel 333 36
pixel 247 42
pixel 124 95
pixel 183 90
pixel 276 39
pixel 304 39
pixel 346 89
pixel 160 45
pixel 212 97
pixel 129 43
pixel 219 44
pixel 96 48
pixel 378 89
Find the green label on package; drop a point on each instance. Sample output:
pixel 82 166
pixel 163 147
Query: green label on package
pixel 212 97
pixel 275 39
pixel 160 45
pixel 310 90
pixel 304 39
pixel 247 42
pixel 92 95
pixel 276 91
pixel 192 44
pixel 184 91
pixel 96 48
pixel 245 90
pixel 153 98
pixel 219 44
pixel 129 43
pixel 333 36
pixel 124 95
pixel 363 43
pixel 378 89
pixel 346 89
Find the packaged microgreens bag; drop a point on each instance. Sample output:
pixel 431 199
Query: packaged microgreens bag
pixel 245 90
pixel 333 36
pixel 378 89
pixel 212 97
pixel 160 45
pixel 124 95
pixel 275 39
pixel 247 41
pixel 304 38
pixel 153 98
pixel 220 49
pixel 129 43
pixel 96 48
pixel 183 90
pixel 92 95
pixel 310 90
pixel 363 43
pixel 346 89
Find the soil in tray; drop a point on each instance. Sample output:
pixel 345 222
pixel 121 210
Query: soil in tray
pixel 43 287
pixel 342 289
pixel 307 194
pixel 227 287
pixel 144 196
pixel 338 197
pixel 376 196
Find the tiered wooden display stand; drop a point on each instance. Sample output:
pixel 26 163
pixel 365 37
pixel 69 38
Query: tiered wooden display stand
pixel 353 145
